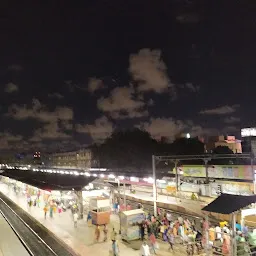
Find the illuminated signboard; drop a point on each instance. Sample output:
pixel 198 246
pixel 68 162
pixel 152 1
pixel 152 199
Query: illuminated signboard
pixel 247 132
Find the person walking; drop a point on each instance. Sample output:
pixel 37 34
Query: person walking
pixel 113 235
pixel 75 217
pixel 144 250
pixel 142 231
pixel 97 233
pixel 170 237
pixel 105 231
pixel 153 242
pixel 115 248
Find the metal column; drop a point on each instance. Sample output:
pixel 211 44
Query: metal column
pixel 253 173
pixel 233 238
pixel 154 185
pixel 124 197
pixel 176 176
pixel 207 244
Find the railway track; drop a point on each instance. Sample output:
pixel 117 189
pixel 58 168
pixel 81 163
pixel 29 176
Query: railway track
pixel 36 239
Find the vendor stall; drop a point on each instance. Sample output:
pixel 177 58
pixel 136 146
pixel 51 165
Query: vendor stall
pixel 100 210
pixel 130 221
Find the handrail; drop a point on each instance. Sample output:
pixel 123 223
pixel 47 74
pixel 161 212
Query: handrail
pixel 172 211
pixel 17 234
pixel 45 244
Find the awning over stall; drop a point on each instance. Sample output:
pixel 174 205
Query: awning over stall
pixel 227 203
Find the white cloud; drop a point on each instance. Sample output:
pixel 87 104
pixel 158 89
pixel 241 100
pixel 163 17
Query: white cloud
pixel 11 88
pixel 95 84
pixel 49 131
pixel 122 103
pixel 223 110
pixel 100 130
pixel 164 127
pixel 149 71
pixel 170 128
pixel 40 112
pixel 54 123
pixel 8 140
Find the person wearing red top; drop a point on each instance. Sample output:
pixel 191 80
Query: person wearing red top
pixel 152 240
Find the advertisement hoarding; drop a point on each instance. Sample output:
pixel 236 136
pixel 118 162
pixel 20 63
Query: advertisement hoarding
pixel 243 172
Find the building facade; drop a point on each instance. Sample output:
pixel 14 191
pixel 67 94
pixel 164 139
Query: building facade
pixel 80 159
pixel 249 140
pixel 224 141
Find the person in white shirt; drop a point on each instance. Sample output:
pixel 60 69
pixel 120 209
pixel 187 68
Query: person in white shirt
pixel 75 219
pixel 145 251
pixel 218 232
pixel 169 216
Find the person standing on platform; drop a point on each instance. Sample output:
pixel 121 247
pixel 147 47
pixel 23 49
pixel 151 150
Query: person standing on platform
pixel 59 209
pixel 45 211
pixel 75 217
pixel 89 219
pixel 51 211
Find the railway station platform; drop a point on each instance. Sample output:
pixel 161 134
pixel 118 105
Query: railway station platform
pixel 81 239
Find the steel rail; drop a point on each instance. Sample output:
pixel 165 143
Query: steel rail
pixel 32 231
pixel 17 234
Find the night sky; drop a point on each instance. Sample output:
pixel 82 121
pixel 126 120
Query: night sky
pixel 72 73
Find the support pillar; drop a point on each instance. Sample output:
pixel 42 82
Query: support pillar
pixel 253 173
pixel 207 181
pixel 206 171
pixel 176 175
pixel 80 204
pixel 154 185
pixel 125 197
pixel 207 246
pixel 233 238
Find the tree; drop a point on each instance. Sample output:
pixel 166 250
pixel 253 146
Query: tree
pixel 129 150
pixel 184 146
pixel 222 150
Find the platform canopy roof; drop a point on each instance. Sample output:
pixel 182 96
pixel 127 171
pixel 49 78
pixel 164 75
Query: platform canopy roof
pixel 228 203
pixel 49 181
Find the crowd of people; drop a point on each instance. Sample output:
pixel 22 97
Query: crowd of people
pixel 220 236
pixel 173 231
pixel 194 237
